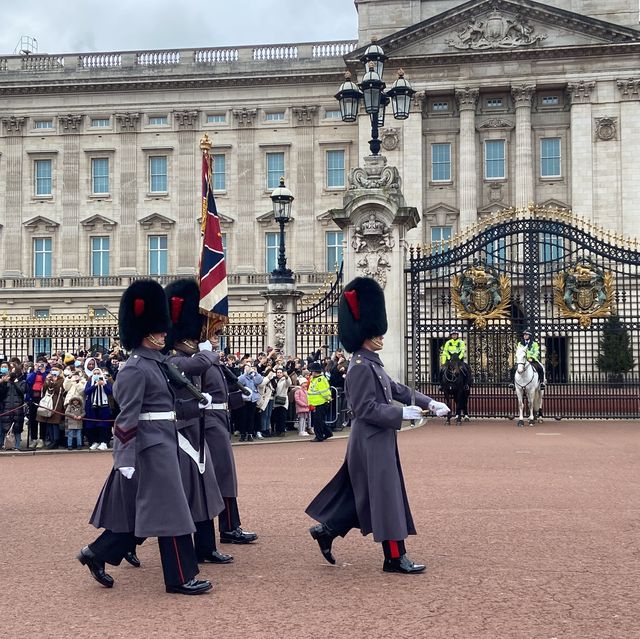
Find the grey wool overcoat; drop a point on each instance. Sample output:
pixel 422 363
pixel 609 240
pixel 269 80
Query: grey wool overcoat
pixel 160 507
pixel 202 489
pixel 372 467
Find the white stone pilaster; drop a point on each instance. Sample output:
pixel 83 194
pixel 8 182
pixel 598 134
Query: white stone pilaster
pixel 629 145
pixel 522 96
pixel 467 100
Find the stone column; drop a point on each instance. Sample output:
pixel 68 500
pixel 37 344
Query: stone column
pixel 70 227
pixel 522 96
pixel 245 250
pixel 282 303
pixel 189 192
pixel 467 176
pixel 581 148
pixel 12 232
pixel 304 190
pixel 629 145
pixel 128 231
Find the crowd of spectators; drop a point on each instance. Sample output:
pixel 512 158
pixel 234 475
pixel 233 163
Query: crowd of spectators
pixel 66 399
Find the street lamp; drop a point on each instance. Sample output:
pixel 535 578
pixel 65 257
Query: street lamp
pixel 281 197
pixel 372 91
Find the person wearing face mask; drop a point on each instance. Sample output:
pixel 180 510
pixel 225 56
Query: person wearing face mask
pixel 53 384
pixel 12 390
pixel 368 492
pixel 97 424
pixel 33 395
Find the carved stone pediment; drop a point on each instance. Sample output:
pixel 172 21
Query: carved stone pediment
pixel 40 223
pixel 98 222
pixel 225 220
pixel 156 221
pixel 500 26
pixel 496 123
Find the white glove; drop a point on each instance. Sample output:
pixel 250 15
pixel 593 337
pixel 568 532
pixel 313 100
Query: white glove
pixel 438 408
pixel 411 412
pixel 127 471
pixel 205 346
pixel 207 401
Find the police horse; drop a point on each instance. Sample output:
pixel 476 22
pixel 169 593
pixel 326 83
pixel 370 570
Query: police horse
pixel 456 389
pixel 527 381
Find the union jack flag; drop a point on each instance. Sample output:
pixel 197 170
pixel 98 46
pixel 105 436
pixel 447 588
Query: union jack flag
pixel 214 294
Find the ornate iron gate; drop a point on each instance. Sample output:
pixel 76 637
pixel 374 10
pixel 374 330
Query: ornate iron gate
pixel 317 324
pixel 574 285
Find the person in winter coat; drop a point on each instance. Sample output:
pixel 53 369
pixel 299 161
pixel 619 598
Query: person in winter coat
pixel 302 408
pixel 266 388
pixel 251 379
pixel 33 394
pixel 54 384
pixel 73 414
pixel 368 492
pixel 281 402
pixel 97 424
pixel 12 389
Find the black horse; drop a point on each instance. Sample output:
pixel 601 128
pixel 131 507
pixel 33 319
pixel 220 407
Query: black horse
pixel 455 381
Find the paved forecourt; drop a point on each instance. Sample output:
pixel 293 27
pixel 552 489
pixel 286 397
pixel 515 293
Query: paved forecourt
pixel 527 532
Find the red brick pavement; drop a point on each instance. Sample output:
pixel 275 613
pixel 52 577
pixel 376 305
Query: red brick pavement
pixel 527 533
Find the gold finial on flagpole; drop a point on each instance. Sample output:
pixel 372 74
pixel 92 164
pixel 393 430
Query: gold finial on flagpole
pixel 205 143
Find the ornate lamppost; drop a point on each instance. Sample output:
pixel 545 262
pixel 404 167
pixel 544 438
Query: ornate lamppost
pixel 371 91
pixel 281 197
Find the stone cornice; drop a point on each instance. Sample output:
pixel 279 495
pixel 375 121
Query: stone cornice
pixel 13 125
pixel 70 123
pixel 467 98
pixel 523 94
pixel 187 120
pixel 127 122
pixel 580 92
pixel 629 89
pixel 245 117
pixel 305 114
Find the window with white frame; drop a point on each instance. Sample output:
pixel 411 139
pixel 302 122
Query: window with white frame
pixel 158 173
pixel 441 162
pixel 551 248
pixel 100 123
pixel 334 249
pixel 494 103
pixel 158 255
pixel 272 246
pixel 42 170
pixel 42 256
pixel 335 169
pixel 439 234
pixel 440 106
pixel 42 347
pixel 332 114
pixel 550 100
pixel 275 169
pixel 550 157
pixel 216 118
pixel 224 245
pixel 99 176
pixel 100 312
pixel 497 251
pixel 158 120
pixel 494 160
pixel 44 124
pixel 274 116
pixel 219 172
pixel 100 256
pixel 41 313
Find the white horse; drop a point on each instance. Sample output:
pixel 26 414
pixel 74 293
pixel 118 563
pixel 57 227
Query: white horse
pixel 527 381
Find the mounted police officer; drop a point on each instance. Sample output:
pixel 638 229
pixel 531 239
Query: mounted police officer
pixel 368 491
pixel 533 356
pixel 455 345
pixel 143 495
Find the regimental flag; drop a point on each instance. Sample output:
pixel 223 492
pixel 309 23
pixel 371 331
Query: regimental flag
pixel 214 294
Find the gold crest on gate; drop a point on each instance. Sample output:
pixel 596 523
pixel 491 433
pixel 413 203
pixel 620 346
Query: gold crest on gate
pixel 584 291
pixel 481 294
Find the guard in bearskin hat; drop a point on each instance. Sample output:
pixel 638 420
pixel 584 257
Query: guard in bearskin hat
pixel 194 358
pixel 368 491
pixel 145 451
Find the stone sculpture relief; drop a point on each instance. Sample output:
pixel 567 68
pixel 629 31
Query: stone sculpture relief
pixel 372 240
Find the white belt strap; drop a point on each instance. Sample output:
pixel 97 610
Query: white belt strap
pixel 155 417
pixel 216 407
pixel 186 446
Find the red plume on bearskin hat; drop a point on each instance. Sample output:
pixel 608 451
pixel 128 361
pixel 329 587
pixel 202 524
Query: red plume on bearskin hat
pixel 361 313
pixel 143 310
pixel 183 297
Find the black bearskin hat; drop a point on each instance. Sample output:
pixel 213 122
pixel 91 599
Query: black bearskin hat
pixel 361 313
pixel 315 367
pixel 183 297
pixel 143 310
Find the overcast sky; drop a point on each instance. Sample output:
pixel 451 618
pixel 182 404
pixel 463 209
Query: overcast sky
pixel 122 25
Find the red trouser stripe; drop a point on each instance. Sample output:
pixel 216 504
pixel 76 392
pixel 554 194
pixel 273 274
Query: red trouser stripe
pixel 393 548
pixel 175 546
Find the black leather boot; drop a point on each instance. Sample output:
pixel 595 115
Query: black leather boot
pixel 238 536
pixel 95 566
pixel 132 558
pixel 324 536
pixel 192 587
pixel 402 565
pixel 215 557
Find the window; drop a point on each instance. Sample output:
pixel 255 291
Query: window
pixel 44 124
pixel 158 120
pixel 494 103
pixel 100 122
pixel 441 162
pixel 158 174
pixel 275 169
pixel 99 256
pixel 41 313
pixel 550 157
pixel 439 234
pixel 552 248
pixel 440 106
pixel 332 114
pixel 216 118
pixel 42 347
pixel 550 100
pixel 224 245
pixel 276 116
pixel 494 165
pixel 42 257
pixel 334 250
pixel 100 312
pixel 99 175
pixel 497 251
pixel 43 177
pixel 219 179
pixel 271 251
pixel 158 255
pixel 335 169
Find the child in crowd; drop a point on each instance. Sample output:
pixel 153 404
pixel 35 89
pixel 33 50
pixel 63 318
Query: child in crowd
pixel 302 408
pixel 73 422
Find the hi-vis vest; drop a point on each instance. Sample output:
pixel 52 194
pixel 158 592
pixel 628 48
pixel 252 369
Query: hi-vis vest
pixel 453 346
pixel 533 350
pixel 319 391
